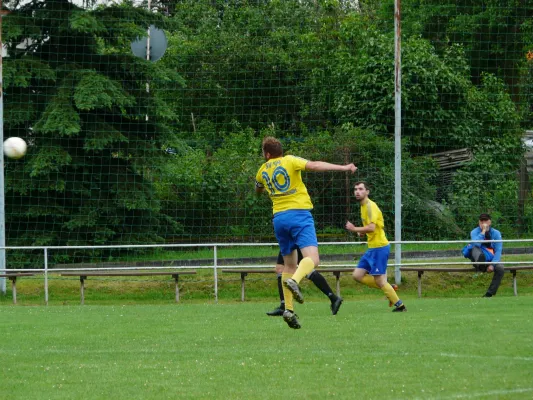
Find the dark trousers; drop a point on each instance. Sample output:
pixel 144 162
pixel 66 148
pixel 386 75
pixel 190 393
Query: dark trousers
pixel 477 255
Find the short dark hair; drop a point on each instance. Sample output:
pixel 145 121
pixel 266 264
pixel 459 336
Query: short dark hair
pixel 361 183
pixel 273 146
pixel 484 217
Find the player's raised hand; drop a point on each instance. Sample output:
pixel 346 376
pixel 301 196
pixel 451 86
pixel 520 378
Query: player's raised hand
pixel 351 168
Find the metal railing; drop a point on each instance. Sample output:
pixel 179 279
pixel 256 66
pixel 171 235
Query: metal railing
pixel 215 265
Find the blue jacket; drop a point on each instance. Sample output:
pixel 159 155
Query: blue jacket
pixel 496 246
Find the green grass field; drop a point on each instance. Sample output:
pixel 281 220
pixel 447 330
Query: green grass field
pixel 442 348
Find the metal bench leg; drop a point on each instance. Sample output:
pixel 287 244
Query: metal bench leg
pixel 514 283
pixel 14 288
pixel 243 275
pixel 420 273
pixel 82 289
pixel 176 277
pixel 337 282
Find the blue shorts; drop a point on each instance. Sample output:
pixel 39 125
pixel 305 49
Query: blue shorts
pixel 294 228
pixel 374 261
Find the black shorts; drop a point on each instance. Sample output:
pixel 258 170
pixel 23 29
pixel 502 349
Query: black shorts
pixel 282 262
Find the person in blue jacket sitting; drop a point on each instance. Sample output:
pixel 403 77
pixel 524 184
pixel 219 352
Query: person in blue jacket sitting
pixel 485 252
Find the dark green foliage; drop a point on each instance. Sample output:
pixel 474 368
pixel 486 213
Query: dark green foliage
pixel 249 61
pixel 496 36
pixel 374 155
pixel 438 99
pixel 212 193
pixel 78 96
pixel 318 74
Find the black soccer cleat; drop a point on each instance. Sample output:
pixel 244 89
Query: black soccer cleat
pixel 276 312
pixel 336 305
pixel 291 319
pixel 295 290
pixel 402 308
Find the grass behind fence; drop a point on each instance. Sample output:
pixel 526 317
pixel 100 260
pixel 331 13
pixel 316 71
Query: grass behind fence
pixel 440 349
pixel 269 253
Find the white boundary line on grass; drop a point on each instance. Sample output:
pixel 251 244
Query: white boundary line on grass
pixel 452 355
pixel 478 394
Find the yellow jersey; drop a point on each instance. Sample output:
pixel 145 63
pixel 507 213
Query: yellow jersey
pixel 282 178
pixel 370 213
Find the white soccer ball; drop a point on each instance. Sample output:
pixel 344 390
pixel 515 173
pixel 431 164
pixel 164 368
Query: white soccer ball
pixel 15 147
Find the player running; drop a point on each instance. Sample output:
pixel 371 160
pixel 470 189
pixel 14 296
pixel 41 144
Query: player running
pixel 372 268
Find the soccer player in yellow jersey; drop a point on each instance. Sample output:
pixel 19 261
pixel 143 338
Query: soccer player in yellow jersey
pixel 372 267
pixel 281 177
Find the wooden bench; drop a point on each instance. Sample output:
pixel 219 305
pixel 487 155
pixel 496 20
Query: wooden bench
pixel 84 275
pixel 244 272
pixel 421 270
pixel 13 278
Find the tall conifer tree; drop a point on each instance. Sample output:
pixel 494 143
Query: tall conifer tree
pixel 75 92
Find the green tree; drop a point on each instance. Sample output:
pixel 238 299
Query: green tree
pixel 373 154
pixel 251 62
pixel 78 96
pixel 496 36
pixel 212 194
pixel 441 108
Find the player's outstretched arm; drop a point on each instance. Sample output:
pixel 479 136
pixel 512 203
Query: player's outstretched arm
pixel 322 166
